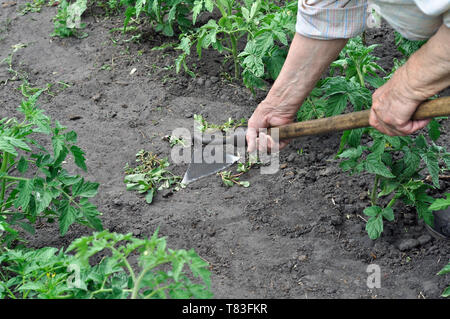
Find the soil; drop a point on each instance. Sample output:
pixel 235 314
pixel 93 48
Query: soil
pixel 298 233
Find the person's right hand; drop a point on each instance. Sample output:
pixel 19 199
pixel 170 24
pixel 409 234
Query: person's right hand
pixel 267 115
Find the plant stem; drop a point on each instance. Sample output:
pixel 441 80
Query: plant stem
pixel 360 76
pixel 392 201
pixel 235 55
pixel 155 291
pixel 13 178
pixel 106 290
pixel 3 170
pixel 125 261
pixel 137 282
pixel 373 195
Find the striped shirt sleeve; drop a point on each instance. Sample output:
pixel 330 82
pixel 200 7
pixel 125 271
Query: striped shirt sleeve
pixel 331 19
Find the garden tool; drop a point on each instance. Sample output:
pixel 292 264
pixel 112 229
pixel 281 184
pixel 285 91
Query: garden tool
pixel 206 166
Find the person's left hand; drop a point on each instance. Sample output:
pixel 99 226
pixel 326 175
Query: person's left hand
pixel 393 105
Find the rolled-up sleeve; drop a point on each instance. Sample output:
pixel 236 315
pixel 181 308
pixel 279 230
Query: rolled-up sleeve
pixel 331 19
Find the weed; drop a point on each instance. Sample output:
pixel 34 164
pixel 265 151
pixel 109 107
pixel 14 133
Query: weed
pixel 230 124
pixel 174 140
pixel 150 176
pixel 67 21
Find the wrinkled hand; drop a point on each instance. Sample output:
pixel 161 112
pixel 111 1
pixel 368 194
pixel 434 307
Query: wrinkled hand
pixel 393 105
pixel 267 115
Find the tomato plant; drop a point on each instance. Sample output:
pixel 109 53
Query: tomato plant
pixel 33 181
pixel 261 24
pixel 164 15
pixel 49 273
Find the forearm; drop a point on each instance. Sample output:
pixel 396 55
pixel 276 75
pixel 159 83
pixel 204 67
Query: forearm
pixel 306 61
pixel 427 72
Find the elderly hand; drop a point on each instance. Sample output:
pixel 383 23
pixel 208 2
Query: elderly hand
pixel 426 73
pixel 268 115
pixel 393 105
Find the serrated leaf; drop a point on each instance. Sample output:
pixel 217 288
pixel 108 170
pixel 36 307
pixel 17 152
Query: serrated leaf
pixel 352 153
pixel 78 155
pixel 18 143
pixel 25 189
pixel 373 164
pixel 26 226
pixel 91 214
pixel 68 215
pixel 440 203
pixel 84 189
pixel 71 137
pixel 58 145
pixel 43 200
pixel 336 104
pixel 22 165
pixel 5 146
pixel 432 163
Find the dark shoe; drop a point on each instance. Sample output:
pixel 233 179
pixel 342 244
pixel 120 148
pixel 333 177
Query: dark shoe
pixel 441 228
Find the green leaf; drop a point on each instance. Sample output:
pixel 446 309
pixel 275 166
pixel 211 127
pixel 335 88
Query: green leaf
pixel 275 63
pixel 5 146
pixel 352 153
pixel 432 163
pixel 445 270
pixel 388 213
pixel 446 292
pixel 373 164
pixel 67 217
pixel 433 130
pixel 374 227
pixel 43 200
pixel 18 143
pixel 372 211
pixel 209 5
pixel 336 104
pixel 22 165
pixel 255 65
pixel 348 165
pixel 387 187
pixel 91 214
pixel 440 203
pixel 25 189
pixel 412 161
pixel 375 81
pixel 71 137
pixel 139 5
pixel 58 145
pixel 150 195
pixel 26 226
pixel 421 142
pixel 78 156
pixel 244 184
pixel 84 189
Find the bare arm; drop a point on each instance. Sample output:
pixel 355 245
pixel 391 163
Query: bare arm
pixel 426 73
pixel 307 60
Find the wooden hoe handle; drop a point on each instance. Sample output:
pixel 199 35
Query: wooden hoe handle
pixel 428 109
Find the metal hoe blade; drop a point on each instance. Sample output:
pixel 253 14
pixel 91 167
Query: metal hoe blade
pixel 206 166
